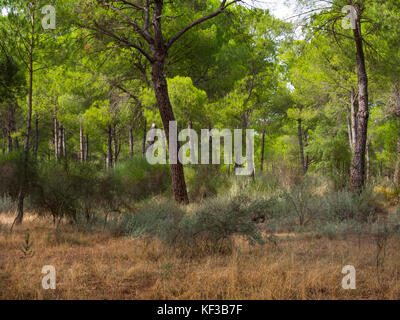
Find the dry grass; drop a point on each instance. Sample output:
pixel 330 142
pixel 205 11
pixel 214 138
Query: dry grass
pixel 100 266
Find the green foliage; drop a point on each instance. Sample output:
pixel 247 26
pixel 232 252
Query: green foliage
pixel 26 246
pixel 210 227
pixel 348 205
pixel 301 203
pixel 12 175
pixel 140 180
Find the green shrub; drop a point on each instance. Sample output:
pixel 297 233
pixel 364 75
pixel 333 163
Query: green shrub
pixel 12 175
pixel 6 205
pixel 204 181
pixel 345 205
pixel 140 180
pixel 300 203
pixel 64 190
pixel 220 218
pixel 210 227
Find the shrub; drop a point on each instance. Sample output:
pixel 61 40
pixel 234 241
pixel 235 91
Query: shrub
pixel 345 205
pixel 218 219
pixel 153 219
pixel 12 175
pixel 140 180
pixel 63 190
pixel 210 227
pixel 300 203
pixel 204 181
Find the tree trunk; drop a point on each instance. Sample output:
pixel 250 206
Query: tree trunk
pixel 396 177
pixel 55 130
pixel 131 142
pixel 357 176
pixel 159 54
pixel 64 144
pixel 81 146
pixel 87 148
pixel 110 151
pixel 9 142
pixel 21 196
pixel 262 151
pixel 167 115
pixel 301 147
pixel 59 144
pixel 116 152
pixel 3 145
pixel 307 160
pixel 61 141
pixel 36 143
pixel 353 117
pixel 349 132
pixel 368 162
pixel 144 137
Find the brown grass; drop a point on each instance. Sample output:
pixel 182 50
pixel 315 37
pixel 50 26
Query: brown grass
pixel 100 266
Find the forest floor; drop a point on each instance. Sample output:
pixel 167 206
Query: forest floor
pixel 99 265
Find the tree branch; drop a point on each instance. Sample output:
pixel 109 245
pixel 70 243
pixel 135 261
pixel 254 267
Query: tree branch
pixel 221 9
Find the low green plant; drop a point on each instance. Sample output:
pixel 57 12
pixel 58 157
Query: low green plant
pixel 26 246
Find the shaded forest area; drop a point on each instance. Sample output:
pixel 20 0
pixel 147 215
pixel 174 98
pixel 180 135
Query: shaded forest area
pixel 81 86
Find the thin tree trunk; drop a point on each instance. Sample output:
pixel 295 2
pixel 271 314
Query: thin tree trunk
pixel 61 141
pixel 9 142
pixel 87 148
pixel 349 132
pixel 81 146
pixel 55 130
pixel 357 176
pixel 301 147
pixel 144 137
pixel 368 162
pixel 36 143
pixel 307 159
pixel 131 142
pixel 353 117
pixel 3 145
pixel 110 151
pixel 21 196
pixel 64 144
pixel 116 152
pixel 262 151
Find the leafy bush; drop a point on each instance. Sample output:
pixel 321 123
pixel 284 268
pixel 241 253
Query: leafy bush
pixel 12 175
pixel 56 191
pixel 204 181
pixel 63 190
pixel 139 179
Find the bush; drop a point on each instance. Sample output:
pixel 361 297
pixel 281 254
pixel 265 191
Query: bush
pixel 12 175
pixel 56 191
pixel 155 219
pixel 345 205
pixel 204 181
pixel 301 203
pixel 6 204
pixel 140 180
pixel 64 190
pixel 209 228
